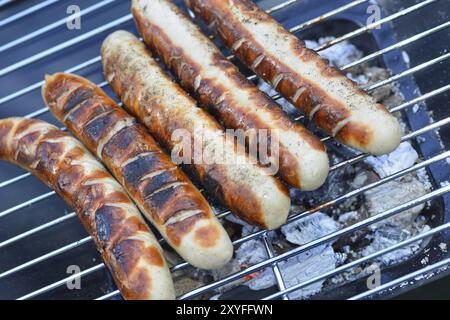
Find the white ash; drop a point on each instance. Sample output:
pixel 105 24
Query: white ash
pixel 406 58
pixel 389 232
pixel 392 194
pixel 347 217
pixel 387 236
pixel 302 267
pixel 309 229
pixel 423 177
pixel 443 247
pixel 340 54
pixel 401 158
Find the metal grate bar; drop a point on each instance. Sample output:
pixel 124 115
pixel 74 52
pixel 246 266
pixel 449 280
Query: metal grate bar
pixel 280 6
pixel 326 16
pixel 276 270
pixel 409 103
pixel 4 3
pixel 26 12
pixel 408 72
pixel 62 282
pixel 376 24
pixel 38 84
pixel 362 260
pixel 98 59
pixel 109 295
pixel 273 260
pixel 278 96
pixel 37 229
pixel 353 160
pixel 45 257
pixel 411 135
pixel 321 241
pixel 408 277
pixel 394 78
pixel 27 203
pixel 64 45
pixel 53 25
pixel 341 198
pixel 397 45
pixel 262 233
pixel 421 98
pixel 14 180
pixel 358 158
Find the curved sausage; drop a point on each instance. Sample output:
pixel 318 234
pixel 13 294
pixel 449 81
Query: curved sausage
pixel 323 93
pixel 160 189
pixel 219 85
pixel 151 95
pixel 128 247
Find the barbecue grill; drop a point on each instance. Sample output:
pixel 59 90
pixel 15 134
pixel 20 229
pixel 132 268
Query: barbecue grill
pixel 40 237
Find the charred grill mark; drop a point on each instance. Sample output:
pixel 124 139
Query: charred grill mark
pixel 159 172
pixel 127 144
pixel 166 186
pixel 118 126
pixel 105 220
pixel 103 208
pixel 50 154
pixel 136 168
pixel 158 182
pixel 96 127
pixel 182 215
pixel 83 112
pixel 160 198
pixel 75 98
pixel 232 28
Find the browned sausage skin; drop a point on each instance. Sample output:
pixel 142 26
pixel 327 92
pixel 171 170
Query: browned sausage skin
pixel 151 95
pixel 162 191
pixel 223 90
pixel 335 103
pixel 128 247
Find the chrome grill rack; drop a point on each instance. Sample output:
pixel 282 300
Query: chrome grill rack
pixel 26 244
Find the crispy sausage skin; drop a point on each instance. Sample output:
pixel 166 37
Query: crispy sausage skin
pixel 128 247
pixel 151 95
pixel 222 89
pixel 323 93
pixel 160 189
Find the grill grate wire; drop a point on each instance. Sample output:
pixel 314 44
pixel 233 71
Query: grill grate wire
pixel 273 260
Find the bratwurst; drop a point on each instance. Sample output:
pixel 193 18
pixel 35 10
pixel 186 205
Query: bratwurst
pixel 166 110
pixel 160 189
pixel 324 94
pixel 128 247
pixel 223 90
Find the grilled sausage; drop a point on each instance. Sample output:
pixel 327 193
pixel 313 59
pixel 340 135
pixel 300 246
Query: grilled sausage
pixel 151 95
pixel 220 87
pixel 128 247
pixel 160 189
pixel 323 93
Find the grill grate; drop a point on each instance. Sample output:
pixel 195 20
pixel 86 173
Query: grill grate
pixel 97 34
